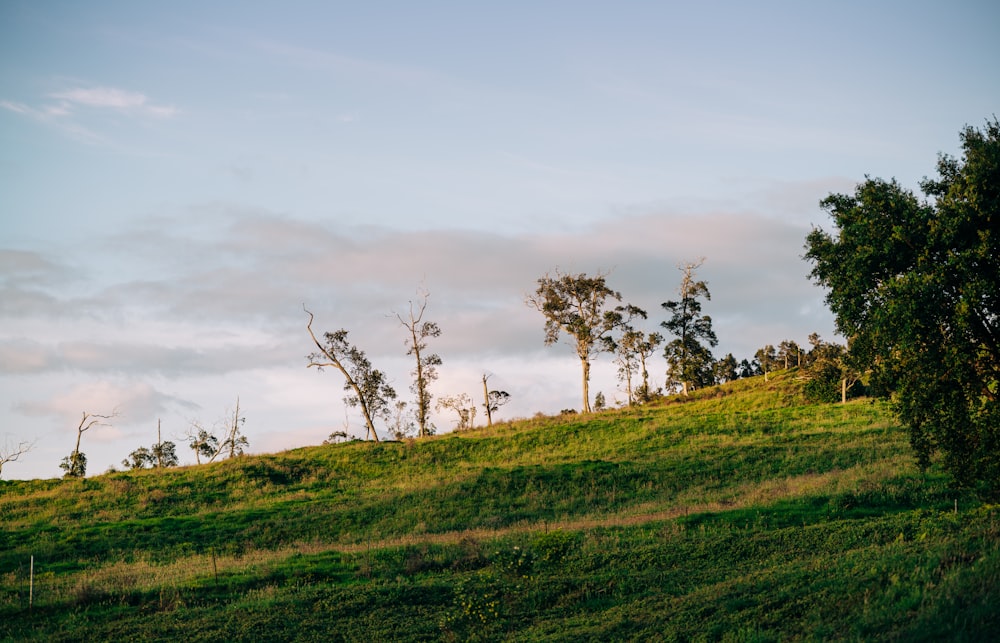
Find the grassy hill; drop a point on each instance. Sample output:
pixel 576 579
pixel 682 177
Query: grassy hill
pixel 740 514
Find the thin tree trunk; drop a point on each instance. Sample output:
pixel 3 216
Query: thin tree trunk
pixel 79 434
pixel 645 375
pixel 486 403
pixel 585 363
pixel 421 398
pixel 234 429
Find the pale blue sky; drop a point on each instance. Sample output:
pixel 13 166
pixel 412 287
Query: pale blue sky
pixel 176 179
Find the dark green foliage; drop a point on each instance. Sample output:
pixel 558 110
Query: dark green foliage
pixel 726 369
pixel 74 465
pixel 915 286
pixel 689 356
pixel 204 444
pixel 494 400
pixel 162 454
pixel 830 374
pixel 138 459
pixel 824 383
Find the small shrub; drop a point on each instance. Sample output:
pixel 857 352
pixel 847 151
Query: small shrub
pixel 551 547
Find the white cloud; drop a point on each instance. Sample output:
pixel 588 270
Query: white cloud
pixel 113 98
pixel 66 114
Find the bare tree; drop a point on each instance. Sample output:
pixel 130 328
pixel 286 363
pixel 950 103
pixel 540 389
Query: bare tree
pixel 207 444
pixel 492 400
pixel 371 390
pixel 235 442
pixel 426 368
pixel 575 305
pixel 75 464
pixel 10 453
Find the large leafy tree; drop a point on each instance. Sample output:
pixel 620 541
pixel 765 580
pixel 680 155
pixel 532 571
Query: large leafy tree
pixel 689 355
pixel 577 306
pixel 915 287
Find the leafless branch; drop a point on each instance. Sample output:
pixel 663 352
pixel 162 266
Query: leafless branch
pixel 10 453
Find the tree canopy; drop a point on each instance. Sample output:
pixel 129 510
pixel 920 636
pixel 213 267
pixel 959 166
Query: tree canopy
pixel 575 305
pixel 689 356
pixel 915 287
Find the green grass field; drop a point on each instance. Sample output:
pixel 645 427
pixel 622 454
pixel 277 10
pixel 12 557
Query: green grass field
pixel 740 514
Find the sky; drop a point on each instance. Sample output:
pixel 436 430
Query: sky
pixel 179 180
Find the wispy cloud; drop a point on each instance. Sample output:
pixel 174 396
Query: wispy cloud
pixel 76 105
pixel 17 108
pixel 114 98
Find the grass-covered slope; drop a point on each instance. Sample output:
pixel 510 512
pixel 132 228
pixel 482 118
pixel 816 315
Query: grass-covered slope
pixel 740 514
